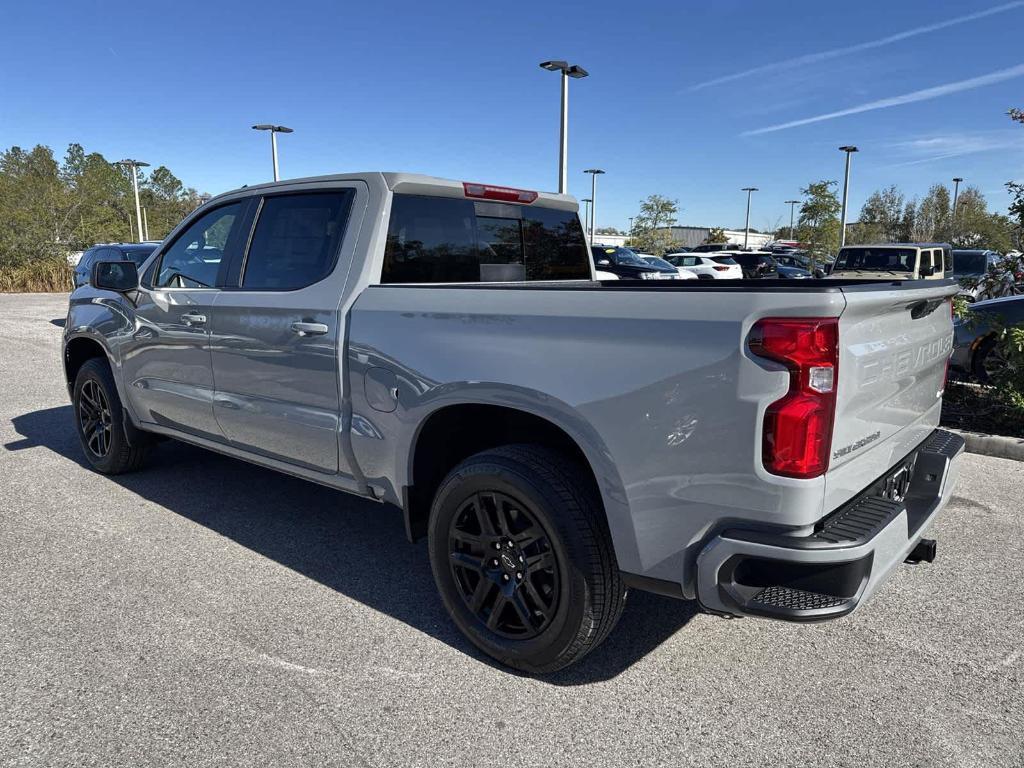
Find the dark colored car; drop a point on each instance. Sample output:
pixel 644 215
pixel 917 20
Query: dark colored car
pixel 792 273
pixel 712 247
pixel 137 252
pixel 975 350
pixel 756 264
pixel 624 263
pixel 972 264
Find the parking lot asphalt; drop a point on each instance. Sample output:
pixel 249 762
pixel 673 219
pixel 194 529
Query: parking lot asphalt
pixel 206 612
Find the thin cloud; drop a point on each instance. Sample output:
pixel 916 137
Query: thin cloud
pixel 814 58
pixel 907 98
pixel 930 149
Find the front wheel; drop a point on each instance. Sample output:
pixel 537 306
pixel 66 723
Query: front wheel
pixel 523 559
pixel 99 421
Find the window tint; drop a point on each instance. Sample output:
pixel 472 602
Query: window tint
pixel 138 255
pixel 879 259
pixel 296 240
pixel 451 240
pixel 193 259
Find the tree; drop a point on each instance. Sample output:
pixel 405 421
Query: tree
pixel 715 235
pixel 651 226
pixel 932 217
pixel 882 219
pixel 975 227
pixel 1016 190
pixel 819 220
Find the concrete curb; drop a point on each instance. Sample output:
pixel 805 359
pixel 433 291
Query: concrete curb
pixel 992 445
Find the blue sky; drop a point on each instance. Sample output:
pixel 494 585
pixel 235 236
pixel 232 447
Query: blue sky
pixel 689 100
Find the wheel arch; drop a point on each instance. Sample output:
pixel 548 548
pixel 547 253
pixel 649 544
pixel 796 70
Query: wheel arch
pixel 454 431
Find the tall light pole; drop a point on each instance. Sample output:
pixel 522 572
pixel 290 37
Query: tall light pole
pixel 631 226
pixel 135 165
pixel 274 130
pixel 849 150
pixel 792 207
pixel 567 70
pixel 956 194
pixel 746 227
pixel 586 214
pixel 594 172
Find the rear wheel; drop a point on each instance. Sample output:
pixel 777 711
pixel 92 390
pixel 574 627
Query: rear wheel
pixel 522 557
pixel 989 360
pixel 99 421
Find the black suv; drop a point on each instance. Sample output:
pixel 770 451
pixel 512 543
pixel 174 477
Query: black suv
pixel 137 252
pixel 624 263
pixel 755 264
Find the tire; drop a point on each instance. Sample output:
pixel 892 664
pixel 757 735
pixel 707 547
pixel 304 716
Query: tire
pixel 986 359
pixel 97 408
pixel 537 507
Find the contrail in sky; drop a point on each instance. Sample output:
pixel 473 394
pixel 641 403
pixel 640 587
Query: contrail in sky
pixel 814 58
pixel 907 98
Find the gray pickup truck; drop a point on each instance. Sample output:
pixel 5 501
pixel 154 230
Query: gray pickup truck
pixel 768 448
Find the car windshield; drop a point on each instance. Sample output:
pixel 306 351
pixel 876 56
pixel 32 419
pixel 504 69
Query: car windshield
pixel 654 261
pixel 877 259
pixel 618 255
pixel 969 263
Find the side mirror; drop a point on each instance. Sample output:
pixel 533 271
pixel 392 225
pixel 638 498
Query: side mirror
pixel 927 271
pixel 604 263
pixel 120 276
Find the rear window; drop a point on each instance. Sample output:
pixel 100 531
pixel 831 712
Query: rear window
pixel 138 255
pixel 970 263
pixel 877 259
pixel 451 240
pixel 722 259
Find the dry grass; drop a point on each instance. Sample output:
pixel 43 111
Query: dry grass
pixel 50 276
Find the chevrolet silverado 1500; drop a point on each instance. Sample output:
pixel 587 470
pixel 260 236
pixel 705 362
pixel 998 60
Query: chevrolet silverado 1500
pixel 768 448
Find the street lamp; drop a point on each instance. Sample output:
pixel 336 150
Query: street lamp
pixel 746 227
pixel 956 194
pixel 586 212
pixel 594 172
pixel 274 130
pixel 849 150
pixel 567 71
pixel 135 165
pixel 792 207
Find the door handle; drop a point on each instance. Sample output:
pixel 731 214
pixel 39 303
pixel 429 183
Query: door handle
pixel 309 329
pixel 192 318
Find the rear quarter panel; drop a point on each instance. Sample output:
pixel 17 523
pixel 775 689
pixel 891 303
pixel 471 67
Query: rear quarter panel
pixel 655 386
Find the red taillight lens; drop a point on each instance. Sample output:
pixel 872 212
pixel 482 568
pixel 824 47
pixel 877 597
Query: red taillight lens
pixel 720 269
pixel 505 194
pixel 797 436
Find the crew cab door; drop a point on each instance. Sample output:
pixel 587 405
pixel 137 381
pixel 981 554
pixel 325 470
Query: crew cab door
pixel 166 363
pixel 277 328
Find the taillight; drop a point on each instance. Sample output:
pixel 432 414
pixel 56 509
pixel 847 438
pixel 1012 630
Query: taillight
pixel 720 269
pixel 797 435
pixel 505 194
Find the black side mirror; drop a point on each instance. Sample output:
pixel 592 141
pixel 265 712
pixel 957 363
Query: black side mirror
pixel 120 276
pixel 927 271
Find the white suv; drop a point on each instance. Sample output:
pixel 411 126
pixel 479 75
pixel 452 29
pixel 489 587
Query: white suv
pixel 707 266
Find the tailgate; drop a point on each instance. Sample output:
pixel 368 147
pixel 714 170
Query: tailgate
pixel 894 345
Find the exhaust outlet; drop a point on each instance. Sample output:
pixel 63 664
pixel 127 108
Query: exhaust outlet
pixel 923 551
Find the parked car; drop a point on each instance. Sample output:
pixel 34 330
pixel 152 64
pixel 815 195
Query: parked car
pixel 888 261
pixel 756 264
pixel 970 266
pixel 796 260
pixel 707 266
pixel 712 247
pixel 556 440
pixel 626 264
pixel 975 343
pixel 667 268
pixel 137 252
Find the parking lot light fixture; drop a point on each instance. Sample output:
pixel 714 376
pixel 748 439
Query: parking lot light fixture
pixel 792 207
pixel 586 212
pixel 594 172
pixel 746 227
pixel 274 130
pixel 135 165
pixel 956 196
pixel 849 150
pixel 567 70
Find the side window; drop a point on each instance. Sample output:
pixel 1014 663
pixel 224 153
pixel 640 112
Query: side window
pixel 947 260
pixel 431 240
pixel 193 259
pixel 296 240
pixel 87 259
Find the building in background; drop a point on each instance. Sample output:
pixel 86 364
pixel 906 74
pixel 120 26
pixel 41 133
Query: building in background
pixel 689 237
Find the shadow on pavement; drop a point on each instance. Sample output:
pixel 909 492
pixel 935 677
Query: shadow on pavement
pixel 344 542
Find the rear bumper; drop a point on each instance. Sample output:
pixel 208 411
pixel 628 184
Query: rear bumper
pixel 746 572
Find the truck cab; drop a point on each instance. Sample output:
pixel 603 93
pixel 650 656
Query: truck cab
pixel 901 261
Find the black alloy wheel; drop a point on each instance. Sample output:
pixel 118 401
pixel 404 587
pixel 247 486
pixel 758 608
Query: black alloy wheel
pixel 95 419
